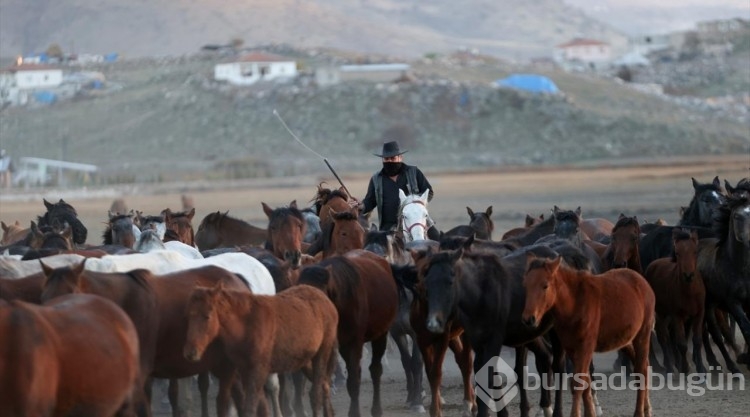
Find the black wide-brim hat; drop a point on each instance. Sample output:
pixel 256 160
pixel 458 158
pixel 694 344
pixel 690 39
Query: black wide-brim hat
pixel 390 149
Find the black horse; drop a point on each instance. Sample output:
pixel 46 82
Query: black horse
pixel 724 264
pixel 697 216
pixel 60 213
pixel 480 225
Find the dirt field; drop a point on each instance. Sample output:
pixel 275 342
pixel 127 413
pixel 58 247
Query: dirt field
pixel 651 192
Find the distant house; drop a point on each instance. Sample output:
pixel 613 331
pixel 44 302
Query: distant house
pixel 254 67
pixel 18 83
pixel 587 51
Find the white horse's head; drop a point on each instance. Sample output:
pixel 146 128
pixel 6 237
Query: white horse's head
pixel 413 215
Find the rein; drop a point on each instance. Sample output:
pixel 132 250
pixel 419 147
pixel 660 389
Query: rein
pixel 402 218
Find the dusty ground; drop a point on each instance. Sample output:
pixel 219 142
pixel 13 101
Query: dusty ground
pixel 650 192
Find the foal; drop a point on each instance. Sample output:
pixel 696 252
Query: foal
pixel 599 313
pixel 680 298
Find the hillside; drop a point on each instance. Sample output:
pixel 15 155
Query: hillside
pixel 406 28
pixel 170 121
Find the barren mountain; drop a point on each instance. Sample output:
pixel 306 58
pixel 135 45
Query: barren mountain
pixel 406 28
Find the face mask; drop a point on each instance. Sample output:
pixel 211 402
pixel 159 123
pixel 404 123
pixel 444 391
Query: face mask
pixel 392 168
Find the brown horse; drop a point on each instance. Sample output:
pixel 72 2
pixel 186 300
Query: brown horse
pixel 327 200
pixel 219 230
pixel 261 334
pixel 286 227
pixel 622 250
pixel 119 230
pixel 13 233
pixel 593 313
pixel 173 293
pixel 365 294
pixel 480 225
pixel 181 223
pixel 75 355
pixel 28 288
pixel 680 300
pixel 597 229
pixel 528 222
pixel 131 291
pixel 51 238
pixel 342 234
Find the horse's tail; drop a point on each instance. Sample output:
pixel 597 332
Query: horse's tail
pixel 406 278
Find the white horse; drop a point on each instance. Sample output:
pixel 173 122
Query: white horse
pixel 413 216
pixel 158 263
pixel 150 242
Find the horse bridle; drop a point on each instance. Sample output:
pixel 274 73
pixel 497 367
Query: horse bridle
pixel 401 219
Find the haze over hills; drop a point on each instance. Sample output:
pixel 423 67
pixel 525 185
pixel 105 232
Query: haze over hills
pixel 402 28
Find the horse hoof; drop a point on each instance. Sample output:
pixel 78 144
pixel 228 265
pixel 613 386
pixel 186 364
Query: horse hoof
pixel 417 409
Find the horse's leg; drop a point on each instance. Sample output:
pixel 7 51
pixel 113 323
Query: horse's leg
pixel 581 361
pixel 681 345
pixel 203 383
pixel 543 359
pixel 403 349
pixel 298 379
pixel 464 358
pixel 273 387
pixel 433 361
pixel 416 369
pixel 710 356
pixel 662 334
pixel 174 397
pixel 521 356
pixel 226 380
pixel 352 354
pixel 713 329
pixel 558 371
pixel 640 345
pixel 252 383
pixel 736 310
pixel 697 329
pixel 284 400
pixel 376 372
pixel 330 364
pixel 726 326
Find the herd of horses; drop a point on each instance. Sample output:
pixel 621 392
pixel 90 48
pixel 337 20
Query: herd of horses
pixel 87 328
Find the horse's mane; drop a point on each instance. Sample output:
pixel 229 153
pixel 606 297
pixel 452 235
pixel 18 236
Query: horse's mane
pixel 324 242
pixel 625 221
pixel 723 215
pixel 691 215
pixel 324 195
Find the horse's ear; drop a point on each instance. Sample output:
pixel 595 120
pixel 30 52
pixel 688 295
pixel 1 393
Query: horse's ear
pixel 47 269
pixel 373 227
pixel 529 220
pixel 695 183
pixel 729 187
pixel 635 218
pixel 555 210
pixel 468 242
pixel 4 226
pixel 131 213
pixel 48 204
pixel 458 254
pixel 266 209
pixel 35 229
pixel 78 268
pixel 110 215
pixel 67 233
pixel 621 216
pixel 488 212
pixel 425 195
pixel 293 204
pixel 554 264
pixel 578 211
pixel 716 183
pixel 470 211
pixel 401 195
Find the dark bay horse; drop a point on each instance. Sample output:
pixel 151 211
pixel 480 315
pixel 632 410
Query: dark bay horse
pixel 60 213
pixel 219 230
pixel 260 334
pixel 341 234
pixel 697 215
pixel 181 223
pixel 528 222
pixel 622 250
pixel 51 238
pixel 724 265
pixel 364 291
pixel 75 355
pixel 593 313
pixel 480 225
pixel 286 227
pixel 131 291
pixel 680 301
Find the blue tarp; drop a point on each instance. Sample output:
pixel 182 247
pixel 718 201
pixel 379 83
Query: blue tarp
pixel 529 82
pixel 110 57
pixel 46 97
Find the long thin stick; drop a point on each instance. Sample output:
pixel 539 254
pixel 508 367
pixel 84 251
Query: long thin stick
pixel 283 123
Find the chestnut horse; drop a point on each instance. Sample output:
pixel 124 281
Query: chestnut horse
pixel 622 250
pixel 181 223
pixel 593 313
pixel 13 233
pixel 680 300
pixel 286 227
pixel 131 291
pixel 260 335
pixel 340 235
pixel 75 355
pixel 365 294
pixel 219 230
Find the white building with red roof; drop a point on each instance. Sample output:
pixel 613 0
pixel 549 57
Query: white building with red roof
pixel 252 68
pixel 587 51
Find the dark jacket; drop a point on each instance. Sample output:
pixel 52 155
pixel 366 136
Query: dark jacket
pixel 411 180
